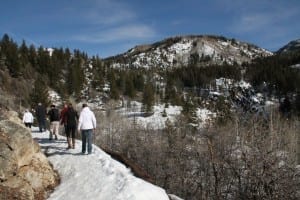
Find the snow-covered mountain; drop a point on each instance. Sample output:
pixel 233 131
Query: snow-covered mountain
pixel 183 50
pixel 290 47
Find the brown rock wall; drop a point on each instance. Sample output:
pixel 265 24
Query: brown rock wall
pixel 25 172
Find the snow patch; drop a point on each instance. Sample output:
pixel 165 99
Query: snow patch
pixel 95 177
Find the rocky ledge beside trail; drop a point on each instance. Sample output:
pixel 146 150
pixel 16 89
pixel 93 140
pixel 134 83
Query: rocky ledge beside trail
pixel 25 172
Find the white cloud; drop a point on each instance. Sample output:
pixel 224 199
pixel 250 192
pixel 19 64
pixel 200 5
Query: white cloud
pixel 111 21
pixel 261 20
pixel 252 22
pixel 112 18
pixel 178 22
pixel 97 12
pixel 124 32
pixel 109 13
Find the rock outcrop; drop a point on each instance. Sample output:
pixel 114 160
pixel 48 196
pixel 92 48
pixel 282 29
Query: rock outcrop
pixel 25 172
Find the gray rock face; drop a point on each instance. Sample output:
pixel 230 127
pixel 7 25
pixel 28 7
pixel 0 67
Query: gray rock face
pixel 25 172
pixel 202 50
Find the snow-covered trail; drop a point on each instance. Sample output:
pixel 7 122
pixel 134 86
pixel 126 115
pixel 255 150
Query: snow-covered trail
pixel 95 176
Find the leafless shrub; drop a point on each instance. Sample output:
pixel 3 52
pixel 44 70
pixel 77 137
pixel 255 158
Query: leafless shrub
pixel 253 160
pixel 246 159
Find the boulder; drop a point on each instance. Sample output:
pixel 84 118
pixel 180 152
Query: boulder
pixel 25 171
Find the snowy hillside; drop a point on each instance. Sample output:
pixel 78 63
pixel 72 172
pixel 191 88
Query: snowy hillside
pixel 95 176
pixel 290 47
pixel 162 114
pixel 183 50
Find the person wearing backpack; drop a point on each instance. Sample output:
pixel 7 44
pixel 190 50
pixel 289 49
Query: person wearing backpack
pixel 53 115
pixel 71 117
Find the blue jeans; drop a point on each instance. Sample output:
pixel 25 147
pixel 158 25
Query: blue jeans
pixel 87 137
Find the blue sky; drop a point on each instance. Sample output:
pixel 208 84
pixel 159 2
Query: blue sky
pixel 109 27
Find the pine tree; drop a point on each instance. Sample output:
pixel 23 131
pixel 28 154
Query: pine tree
pixel 148 98
pixel 44 62
pixel 32 56
pixel 75 76
pixel 98 73
pixel 189 111
pixel 114 92
pixel 9 50
pixel 23 52
pixel 58 63
pixel 26 67
pixel 138 82
pixel 39 93
pixel 129 86
pixel 170 90
pixel 120 78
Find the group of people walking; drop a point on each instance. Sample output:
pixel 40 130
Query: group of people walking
pixel 68 117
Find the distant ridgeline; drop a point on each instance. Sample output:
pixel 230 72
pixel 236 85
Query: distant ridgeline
pixel 161 72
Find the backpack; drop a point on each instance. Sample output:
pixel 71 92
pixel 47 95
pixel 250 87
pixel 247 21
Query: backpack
pixel 54 115
pixel 71 116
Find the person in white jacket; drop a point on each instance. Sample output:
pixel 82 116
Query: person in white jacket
pixel 28 118
pixel 87 125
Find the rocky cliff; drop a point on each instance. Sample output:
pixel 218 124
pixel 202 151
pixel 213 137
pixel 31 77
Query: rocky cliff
pixel 25 172
pixel 199 50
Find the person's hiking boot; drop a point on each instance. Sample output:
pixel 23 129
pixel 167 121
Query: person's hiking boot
pixel 73 143
pixel 69 143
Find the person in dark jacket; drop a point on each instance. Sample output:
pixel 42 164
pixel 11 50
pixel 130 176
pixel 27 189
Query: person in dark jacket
pixel 71 116
pixel 40 113
pixel 53 115
pixel 63 118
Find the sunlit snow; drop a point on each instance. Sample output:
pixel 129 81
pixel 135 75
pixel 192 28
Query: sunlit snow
pixel 94 176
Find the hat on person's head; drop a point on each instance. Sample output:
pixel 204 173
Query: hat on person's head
pixel 84 105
